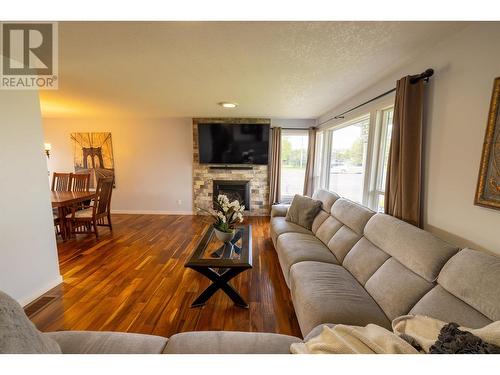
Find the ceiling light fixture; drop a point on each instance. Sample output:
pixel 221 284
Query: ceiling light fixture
pixel 228 105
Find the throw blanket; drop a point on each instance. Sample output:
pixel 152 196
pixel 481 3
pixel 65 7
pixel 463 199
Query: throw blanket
pixel 412 335
pixel 343 339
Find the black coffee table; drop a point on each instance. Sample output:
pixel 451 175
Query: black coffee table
pixel 221 262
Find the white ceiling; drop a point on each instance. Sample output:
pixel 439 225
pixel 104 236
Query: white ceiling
pixel 183 69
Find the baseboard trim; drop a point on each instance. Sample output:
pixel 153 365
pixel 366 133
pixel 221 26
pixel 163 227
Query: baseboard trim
pixel 40 292
pixel 146 212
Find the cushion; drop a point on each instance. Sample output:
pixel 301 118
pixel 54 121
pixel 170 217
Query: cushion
pixel 326 197
pixel 328 293
pixel 474 277
pixel 396 289
pixel 418 250
pixel 352 214
pixel 18 335
pixel 224 342
pixel 88 342
pixel 279 226
pixel 442 305
pixel 342 242
pixel 302 211
pixel 364 259
pixel 87 212
pixel 298 247
pixel 327 229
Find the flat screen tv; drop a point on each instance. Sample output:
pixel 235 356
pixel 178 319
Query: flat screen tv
pixel 233 143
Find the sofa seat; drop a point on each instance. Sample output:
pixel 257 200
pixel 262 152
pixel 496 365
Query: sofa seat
pixel 221 342
pixel 299 247
pixel 279 226
pixel 324 292
pixel 88 342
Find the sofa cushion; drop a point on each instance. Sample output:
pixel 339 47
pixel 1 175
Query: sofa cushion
pixel 302 211
pixel 342 242
pixel 364 259
pixel 18 335
pixel 328 293
pixel 88 342
pixel 298 247
pixel 327 229
pixel 474 277
pixel 326 197
pixel 352 214
pixel 222 342
pixel 319 219
pixel 279 226
pixel 417 250
pixel 442 305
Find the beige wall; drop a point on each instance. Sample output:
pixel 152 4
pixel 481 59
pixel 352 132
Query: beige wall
pixel 28 255
pixel 153 160
pixel 458 102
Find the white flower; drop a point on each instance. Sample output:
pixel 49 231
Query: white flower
pixel 242 208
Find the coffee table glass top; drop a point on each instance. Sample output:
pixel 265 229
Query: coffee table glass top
pixel 212 252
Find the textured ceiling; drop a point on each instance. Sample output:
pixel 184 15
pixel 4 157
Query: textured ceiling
pixel 272 69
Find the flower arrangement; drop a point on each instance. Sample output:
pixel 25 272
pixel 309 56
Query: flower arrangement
pixel 227 214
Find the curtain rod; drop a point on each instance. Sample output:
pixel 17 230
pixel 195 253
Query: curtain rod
pixel 413 79
pixel 296 128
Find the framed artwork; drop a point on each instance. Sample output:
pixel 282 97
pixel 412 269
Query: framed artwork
pixel 488 185
pixel 93 153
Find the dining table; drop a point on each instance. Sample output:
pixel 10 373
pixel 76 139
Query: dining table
pixel 63 201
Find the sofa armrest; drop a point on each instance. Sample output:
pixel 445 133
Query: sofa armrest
pixel 279 209
pixel 89 342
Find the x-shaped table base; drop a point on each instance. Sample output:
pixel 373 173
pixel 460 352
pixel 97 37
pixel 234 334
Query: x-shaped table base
pixel 219 281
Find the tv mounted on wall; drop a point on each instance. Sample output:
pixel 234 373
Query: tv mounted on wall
pixel 233 143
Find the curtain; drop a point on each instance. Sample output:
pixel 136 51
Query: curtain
pixel 403 192
pixel 275 167
pixel 311 157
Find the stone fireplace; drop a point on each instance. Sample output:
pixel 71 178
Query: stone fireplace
pixel 206 177
pixel 234 190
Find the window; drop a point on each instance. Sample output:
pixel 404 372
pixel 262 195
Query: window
pixel 348 159
pixel 293 163
pixel 353 157
pixel 383 158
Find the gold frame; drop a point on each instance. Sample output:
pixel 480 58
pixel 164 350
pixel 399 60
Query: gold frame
pixel 489 142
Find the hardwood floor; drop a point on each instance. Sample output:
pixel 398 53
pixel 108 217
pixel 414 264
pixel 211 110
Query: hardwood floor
pixel 134 280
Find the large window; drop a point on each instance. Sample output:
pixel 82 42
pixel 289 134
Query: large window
pixel 354 155
pixel 293 163
pixel 348 159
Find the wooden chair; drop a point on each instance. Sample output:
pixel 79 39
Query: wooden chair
pixel 85 221
pixel 79 182
pixel 61 181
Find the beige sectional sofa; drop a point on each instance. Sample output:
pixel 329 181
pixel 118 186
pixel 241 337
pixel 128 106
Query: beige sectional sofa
pixel 354 267
pixel 357 267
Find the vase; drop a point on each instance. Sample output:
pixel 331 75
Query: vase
pixel 224 236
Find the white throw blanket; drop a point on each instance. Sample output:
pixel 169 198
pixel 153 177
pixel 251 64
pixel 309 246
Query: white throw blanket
pixel 372 339
pixel 343 339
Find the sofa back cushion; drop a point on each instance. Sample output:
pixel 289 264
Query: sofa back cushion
pixel 397 263
pixel 18 335
pixel 468 283
pixel 343 227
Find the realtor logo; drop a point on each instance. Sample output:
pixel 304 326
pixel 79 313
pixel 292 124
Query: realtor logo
pixel 29 56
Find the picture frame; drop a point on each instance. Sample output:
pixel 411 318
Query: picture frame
pixel 488 185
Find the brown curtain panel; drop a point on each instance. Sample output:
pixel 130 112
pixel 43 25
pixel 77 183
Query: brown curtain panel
pixel 403 192
pixel 309 181
pixel 275 167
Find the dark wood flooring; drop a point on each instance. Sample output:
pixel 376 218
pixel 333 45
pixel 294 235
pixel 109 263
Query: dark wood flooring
pixel 134 280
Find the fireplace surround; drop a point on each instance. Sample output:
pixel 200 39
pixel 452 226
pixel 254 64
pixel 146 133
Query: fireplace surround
pixel 204 175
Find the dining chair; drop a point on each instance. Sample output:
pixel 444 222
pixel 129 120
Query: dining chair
pixel 61 181
pixel 86 221
pixel 79 182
